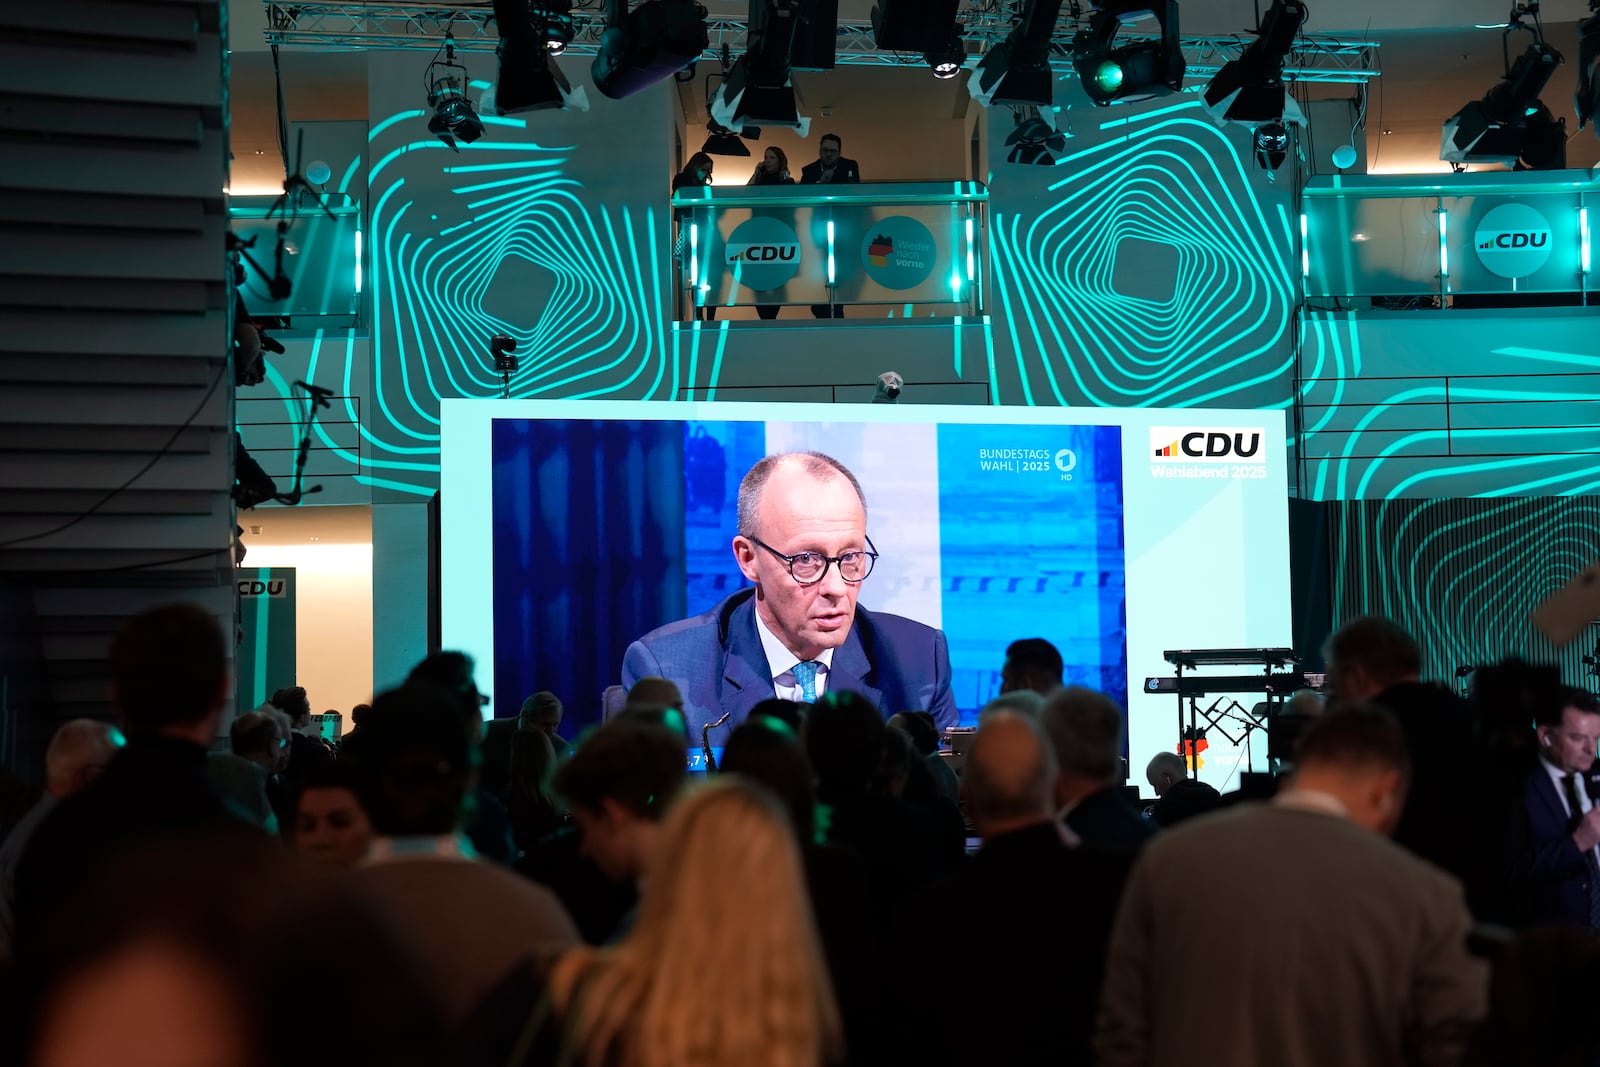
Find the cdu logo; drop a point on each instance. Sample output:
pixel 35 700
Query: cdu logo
pixel 271 588
pixel 784 253
pixel 1207 444
pixel 762 253
pixel 1512 241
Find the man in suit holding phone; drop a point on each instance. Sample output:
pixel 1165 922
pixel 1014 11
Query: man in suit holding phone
pixel 831 168
pixel 1554 864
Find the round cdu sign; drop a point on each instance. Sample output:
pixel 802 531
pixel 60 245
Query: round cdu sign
pixel 899 252
pixel 762 253
pixel 1512 241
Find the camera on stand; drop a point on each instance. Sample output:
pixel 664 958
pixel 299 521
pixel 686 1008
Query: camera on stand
pixel 506 361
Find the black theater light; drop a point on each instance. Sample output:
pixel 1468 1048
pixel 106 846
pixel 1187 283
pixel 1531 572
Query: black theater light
pixel 1272 146
pixel 554 19
pixel 759 89
pixel 1250 89
pixel 647 45
pixel 724 142
pixel 1016 71
pixel 1587 96
pixel 528 79
pixel 1510 124
pixel 453 118
pixel 1035 140
pixel 947 59
pixel 1136 71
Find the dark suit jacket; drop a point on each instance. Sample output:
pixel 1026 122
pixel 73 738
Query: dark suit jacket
pixel 846 172
pixel 1024 926
pixel 719 666
pixel 494 767
pixel 153 789
pixel 1551 879
pixel 1106 820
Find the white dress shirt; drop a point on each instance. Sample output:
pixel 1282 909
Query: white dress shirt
pixel 1558 779
pixel 781 663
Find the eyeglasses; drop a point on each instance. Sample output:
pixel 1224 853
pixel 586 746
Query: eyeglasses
pixel 808 568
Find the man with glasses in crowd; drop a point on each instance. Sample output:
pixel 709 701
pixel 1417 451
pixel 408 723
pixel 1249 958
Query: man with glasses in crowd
pixel 799 633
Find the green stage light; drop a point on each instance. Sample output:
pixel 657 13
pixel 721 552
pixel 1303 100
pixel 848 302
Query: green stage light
pixel 1109 76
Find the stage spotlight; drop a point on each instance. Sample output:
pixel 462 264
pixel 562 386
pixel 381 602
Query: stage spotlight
pixel 1588 95
pixel 453 118
pixel 552 21
pixel 1511 125
pixel 647 45
pixel 1132 72
pixel 947 59
pixel 724 142
pixel 529 79
pixel 1035 139
pixel 1250 89
pixel 1272 146
pixel 1016 71
pixel 759 89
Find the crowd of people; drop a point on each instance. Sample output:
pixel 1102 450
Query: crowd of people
pixel 435 890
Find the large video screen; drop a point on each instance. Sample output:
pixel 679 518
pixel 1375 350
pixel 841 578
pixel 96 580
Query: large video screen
pixel 570 529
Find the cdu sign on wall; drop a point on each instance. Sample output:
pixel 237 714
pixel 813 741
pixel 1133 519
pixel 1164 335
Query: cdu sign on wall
pixel 1513 240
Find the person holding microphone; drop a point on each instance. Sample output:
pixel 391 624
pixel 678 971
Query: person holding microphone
pixel 772 170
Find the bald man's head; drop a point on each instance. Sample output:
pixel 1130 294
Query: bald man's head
pixel 1010 773
pixel 1166 770
pixel 78 752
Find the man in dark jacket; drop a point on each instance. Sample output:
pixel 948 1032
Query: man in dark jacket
pixel 1029 933
pixel 1085 731
pixel 169 679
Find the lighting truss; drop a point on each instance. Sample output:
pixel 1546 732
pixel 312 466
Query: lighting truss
pixel 423 26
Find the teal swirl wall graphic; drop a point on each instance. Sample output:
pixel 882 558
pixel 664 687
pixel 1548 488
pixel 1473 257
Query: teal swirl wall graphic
pixel 552 229
pixel 1463 575
pixel 1152 267
pixel 1439 404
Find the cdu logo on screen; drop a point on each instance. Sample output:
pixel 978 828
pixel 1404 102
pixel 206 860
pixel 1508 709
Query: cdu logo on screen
pixel 1207 444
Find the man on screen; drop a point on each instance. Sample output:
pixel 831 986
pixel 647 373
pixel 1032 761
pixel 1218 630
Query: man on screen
pixel 799 633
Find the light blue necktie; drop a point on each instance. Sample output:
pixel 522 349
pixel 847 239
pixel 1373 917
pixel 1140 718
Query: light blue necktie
pixel 805 675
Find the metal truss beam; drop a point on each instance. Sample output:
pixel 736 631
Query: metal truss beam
pixel 423 27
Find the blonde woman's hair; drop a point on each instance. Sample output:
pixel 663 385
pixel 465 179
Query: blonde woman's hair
pixel 723 968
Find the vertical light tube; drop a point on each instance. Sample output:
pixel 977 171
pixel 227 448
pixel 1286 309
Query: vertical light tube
pixel 1583 238
pixel 971 256
pixel 358 257
pixel 694 255
pixel 1444 250
pixel 1305 248
pixel 830 254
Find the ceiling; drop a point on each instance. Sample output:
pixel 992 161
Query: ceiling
pixel 1205 17
pixel 1432 60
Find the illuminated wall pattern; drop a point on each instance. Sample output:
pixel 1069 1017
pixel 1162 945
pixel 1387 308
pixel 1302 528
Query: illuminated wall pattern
pixel 513 250
pixel 1155 265
pixel 1151 267
pixel 1463 575
pixel 1439 404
